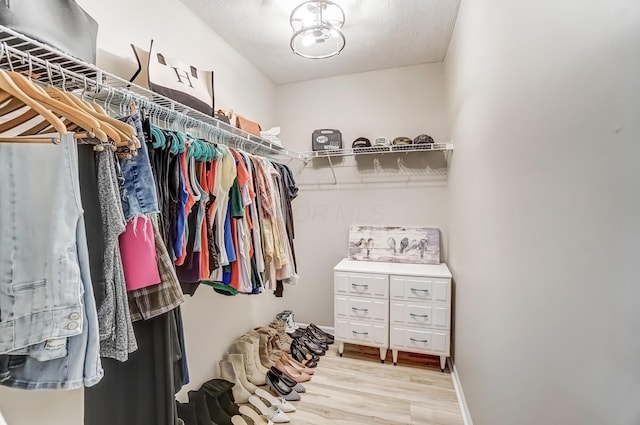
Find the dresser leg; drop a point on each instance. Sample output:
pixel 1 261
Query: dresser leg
pixel 443 362
pixel 383 354
pixel 394 354
pixel 340 348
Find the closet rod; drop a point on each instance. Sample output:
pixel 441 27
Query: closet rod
pixel 47 65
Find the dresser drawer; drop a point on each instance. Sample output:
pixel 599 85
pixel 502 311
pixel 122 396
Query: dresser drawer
pixel 374 334
pixel 357 308
pixel 419 340
pixel 420 314
pixel 419 288
pixel 361 284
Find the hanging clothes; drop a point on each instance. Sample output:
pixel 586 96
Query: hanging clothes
pixel 55 344
pixel 140 391
pixel 117 339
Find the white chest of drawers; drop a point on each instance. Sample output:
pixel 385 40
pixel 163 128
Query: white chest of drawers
pixel 405 307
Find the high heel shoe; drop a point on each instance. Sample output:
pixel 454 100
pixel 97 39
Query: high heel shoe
pixel 311 346
pixel 300 357
pixel 306 354
pixel 292 373
pixel 287 360
pixel 274 414
pixel 276 384
pixel 321 332
pixel 296 386
pixel 278 402
pixel 257 419
pixel 318 341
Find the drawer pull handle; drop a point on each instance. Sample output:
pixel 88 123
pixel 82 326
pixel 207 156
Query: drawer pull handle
pixel 355 285
pixel 418 315
pixel 360 333
pixel 419 290
pixel 419 340
pixel 366 310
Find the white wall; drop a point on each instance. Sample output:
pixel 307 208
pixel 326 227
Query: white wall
pixel 545 236
pixel 238 85
pixel 394 102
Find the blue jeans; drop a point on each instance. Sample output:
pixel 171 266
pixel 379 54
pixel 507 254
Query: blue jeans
pixel 40 284
pixel 50 326
pixel 81 365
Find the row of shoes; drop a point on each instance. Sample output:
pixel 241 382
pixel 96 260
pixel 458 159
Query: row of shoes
pixel 313 338
pixel 268 356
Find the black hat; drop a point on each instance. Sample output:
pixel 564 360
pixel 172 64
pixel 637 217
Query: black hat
pixel 361 142
pixel 402 141
pixel 423 138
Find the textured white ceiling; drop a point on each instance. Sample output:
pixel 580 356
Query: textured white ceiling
pixel 380 34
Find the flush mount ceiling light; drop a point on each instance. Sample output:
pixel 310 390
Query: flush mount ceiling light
pixel 317 29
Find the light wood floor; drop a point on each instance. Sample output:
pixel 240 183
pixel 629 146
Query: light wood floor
pixel 358 389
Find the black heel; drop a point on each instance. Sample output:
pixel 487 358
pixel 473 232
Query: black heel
pixel 283 390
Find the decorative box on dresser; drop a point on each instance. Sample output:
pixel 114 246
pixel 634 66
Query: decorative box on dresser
pixel 405 307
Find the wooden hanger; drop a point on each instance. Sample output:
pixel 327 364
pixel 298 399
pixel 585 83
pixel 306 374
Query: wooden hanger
pixel 45 127
pixel 8 86
pixel 26 116
pixel 69 100
pixel 4 96
pixel 75 115
pixel 12 105
pixel 128 133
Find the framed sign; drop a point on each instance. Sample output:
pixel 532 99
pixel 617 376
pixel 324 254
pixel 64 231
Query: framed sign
pixel 393 244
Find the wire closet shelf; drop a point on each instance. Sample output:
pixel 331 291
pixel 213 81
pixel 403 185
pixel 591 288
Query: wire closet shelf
pixel 426 147
pixel 47 65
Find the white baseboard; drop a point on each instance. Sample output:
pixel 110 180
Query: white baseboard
pixel 466 416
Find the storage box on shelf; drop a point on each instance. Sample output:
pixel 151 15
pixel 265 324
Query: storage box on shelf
pixel 405 307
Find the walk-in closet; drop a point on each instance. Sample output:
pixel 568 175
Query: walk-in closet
pixel 256 212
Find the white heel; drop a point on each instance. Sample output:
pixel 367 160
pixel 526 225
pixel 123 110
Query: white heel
pixel 272 413
pixel 251 414
pixel 278 402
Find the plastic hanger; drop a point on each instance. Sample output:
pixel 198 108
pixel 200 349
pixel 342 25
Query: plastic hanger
pixel 158 141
